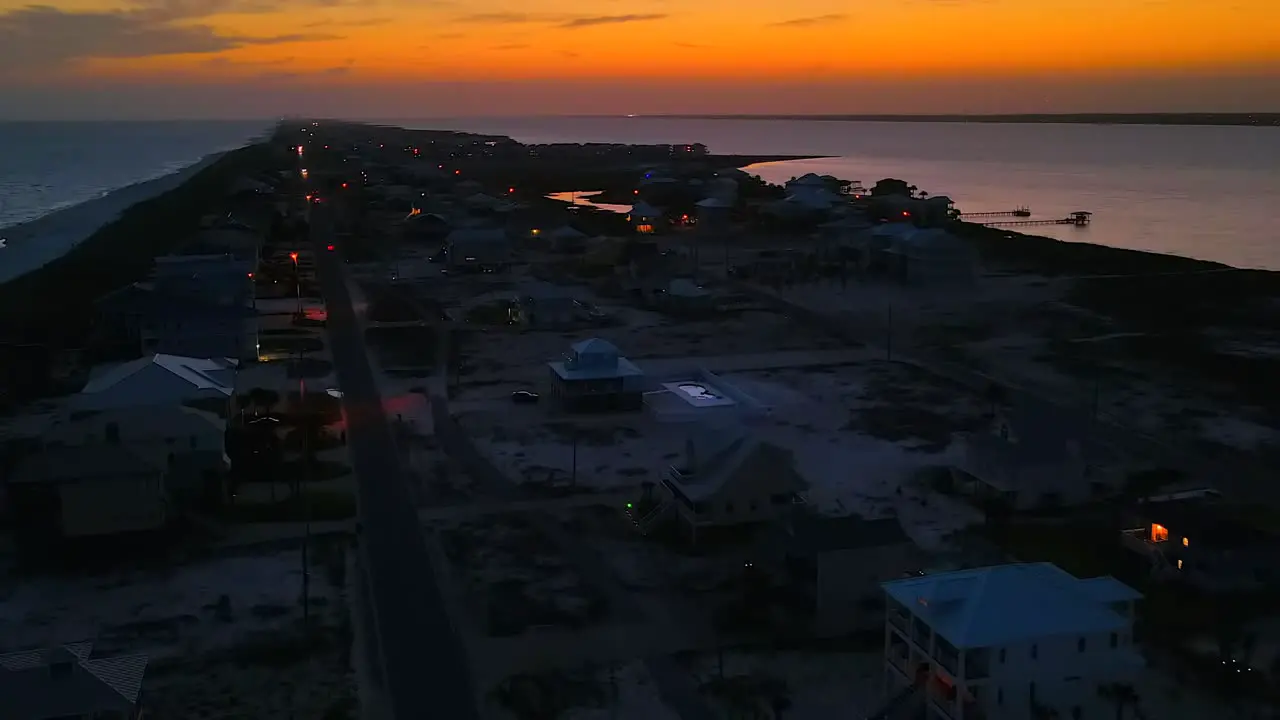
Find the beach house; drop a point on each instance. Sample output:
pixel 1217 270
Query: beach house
pixel 1038 455
pixel 595 377
pixel 67 682
pixel 646 219
pixel 477 249
pixel 1010 641
pixel 1205 544
pixel 931 257
pixel 545 307
pixel 834 566
pixel 188 443
pixel 728 476
pixel 88 491
pixel 714 214
pixel 143 319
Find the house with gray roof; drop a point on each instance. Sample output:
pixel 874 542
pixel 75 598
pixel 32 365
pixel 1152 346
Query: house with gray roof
pixel 729 476
pixel 159 380
pixel 1039 455
pixel 67 682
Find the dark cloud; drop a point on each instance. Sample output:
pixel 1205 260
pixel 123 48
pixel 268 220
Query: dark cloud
pixel 501 18
pixel 811 21
pixel 369 22
pixel 40 36
pixel 564 21
pixel 592 21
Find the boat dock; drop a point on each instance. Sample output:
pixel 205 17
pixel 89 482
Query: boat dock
pixel 1022 212
pixel 1079 219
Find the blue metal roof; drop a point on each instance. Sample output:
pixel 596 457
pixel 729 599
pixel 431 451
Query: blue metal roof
pixel 1006 604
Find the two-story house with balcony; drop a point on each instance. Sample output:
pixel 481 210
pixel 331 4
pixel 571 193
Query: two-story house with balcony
pixel 1018 641
pixel 728 476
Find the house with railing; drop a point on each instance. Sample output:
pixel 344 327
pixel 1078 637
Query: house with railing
pixel 728 476
pixel 1021 641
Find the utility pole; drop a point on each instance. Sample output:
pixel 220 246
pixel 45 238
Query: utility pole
pixel 1097 392
pixel 888 335
pixel 573 472
pixel 306 501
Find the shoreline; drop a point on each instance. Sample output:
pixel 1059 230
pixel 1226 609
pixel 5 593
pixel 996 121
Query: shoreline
pixel 1261 120
pixel 32 245
pixel 69 259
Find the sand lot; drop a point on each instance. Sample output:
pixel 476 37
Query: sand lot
pixel 224 635
pixel 861 433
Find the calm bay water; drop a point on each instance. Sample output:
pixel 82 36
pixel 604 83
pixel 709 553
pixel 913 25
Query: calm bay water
pixel 49 166
pixel 1203 192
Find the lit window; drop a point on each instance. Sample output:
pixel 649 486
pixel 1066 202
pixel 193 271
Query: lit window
pixel 1179 564
pixel 1186 542
pixel 1159 533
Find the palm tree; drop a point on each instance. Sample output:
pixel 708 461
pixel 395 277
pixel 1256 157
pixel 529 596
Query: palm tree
pixel 1121 694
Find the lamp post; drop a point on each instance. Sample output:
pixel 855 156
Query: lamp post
pixel 306 500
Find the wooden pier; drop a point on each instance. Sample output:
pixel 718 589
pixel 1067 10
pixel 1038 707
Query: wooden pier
pixel 1079 219
pixel 1022 212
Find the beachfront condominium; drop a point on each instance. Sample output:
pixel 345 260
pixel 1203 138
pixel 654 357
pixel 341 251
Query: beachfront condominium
pixel 1011 641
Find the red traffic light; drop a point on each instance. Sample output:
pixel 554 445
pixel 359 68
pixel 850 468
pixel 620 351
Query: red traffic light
pixel 330 248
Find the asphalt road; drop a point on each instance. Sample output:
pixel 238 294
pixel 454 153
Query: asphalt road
pixel 423 659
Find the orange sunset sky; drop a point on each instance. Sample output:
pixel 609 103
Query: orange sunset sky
pixel 402 58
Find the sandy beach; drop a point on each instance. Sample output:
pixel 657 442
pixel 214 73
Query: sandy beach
pixel 28 246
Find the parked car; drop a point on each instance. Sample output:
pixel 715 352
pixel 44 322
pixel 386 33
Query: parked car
pixel 524 397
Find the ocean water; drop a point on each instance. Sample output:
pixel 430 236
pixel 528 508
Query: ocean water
pixel 45 167
pixel 1205 192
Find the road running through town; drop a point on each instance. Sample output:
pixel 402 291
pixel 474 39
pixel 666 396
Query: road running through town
pixel 425 665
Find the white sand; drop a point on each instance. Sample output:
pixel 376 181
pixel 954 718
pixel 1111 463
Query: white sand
pixel 31 245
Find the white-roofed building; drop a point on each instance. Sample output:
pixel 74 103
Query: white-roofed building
pixel 158 380
pixel 1006 641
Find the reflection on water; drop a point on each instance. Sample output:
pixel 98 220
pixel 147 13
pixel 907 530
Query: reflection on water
pixel 578 197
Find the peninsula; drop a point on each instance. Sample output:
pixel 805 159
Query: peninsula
pixel 424 423
pixel 1253 119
